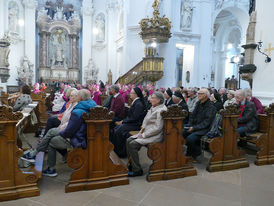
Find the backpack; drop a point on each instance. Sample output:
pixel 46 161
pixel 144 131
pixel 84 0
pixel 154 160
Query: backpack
pixel 216 127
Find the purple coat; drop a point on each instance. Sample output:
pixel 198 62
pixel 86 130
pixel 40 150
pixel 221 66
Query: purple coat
pixel 258 105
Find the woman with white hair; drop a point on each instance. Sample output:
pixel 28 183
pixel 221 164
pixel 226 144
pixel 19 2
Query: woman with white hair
pixel 230 98
pixel 152 131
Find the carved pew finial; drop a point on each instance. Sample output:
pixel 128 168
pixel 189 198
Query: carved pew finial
pixel 173 112
pixel 6 114
pixel 98 113
pixel 231 110
pixel 270 109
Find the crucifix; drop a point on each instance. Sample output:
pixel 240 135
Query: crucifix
pixel 269 49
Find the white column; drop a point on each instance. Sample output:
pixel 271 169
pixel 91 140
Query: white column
pixel 111 45
pixel 2 18
pixel 205 47
pixel 30 39
pixel 87 11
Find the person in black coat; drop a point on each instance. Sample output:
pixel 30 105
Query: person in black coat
pixel 223 95
pixel 179 100
pixel 132 122
pixel 248 119
pixel 217 102
pixel 168 96
pixel 146 95
pixel 199 123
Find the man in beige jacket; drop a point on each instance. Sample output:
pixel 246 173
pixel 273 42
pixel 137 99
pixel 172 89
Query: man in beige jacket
pixel 152 131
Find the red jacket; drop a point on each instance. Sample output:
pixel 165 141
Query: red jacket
pixel 118 106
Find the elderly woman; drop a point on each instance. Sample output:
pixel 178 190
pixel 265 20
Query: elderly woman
pixel 152 131
pixel 43 145
pixel 257 102
pixel 23 100
pixel 132 122
pixel 230 98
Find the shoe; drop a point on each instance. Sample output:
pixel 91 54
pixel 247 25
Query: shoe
pixel 129 167
pixel 50 172
pixel 135 174
pixel 29 157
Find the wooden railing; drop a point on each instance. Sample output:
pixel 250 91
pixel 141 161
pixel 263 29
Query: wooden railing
pixel 149 69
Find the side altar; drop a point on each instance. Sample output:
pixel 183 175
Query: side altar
pixel 59 27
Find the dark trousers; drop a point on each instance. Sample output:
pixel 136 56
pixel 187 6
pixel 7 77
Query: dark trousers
pixel 120 136
pixel 52 123
pixel 193 143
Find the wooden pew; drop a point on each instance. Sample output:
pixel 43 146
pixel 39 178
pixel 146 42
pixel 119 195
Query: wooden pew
pixel 225 154
pixel 8 99
pixel 264 138
pixel 168 159
pixel 42 107
pixel 97 166
pixel 15 183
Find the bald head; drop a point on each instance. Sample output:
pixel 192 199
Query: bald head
pixel 203 94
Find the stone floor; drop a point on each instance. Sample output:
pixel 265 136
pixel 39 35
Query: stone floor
pixel 252 186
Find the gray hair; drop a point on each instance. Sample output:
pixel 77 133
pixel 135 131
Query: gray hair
pixel 232 92
pixel 192 90
pixel 115 87
pixel 84 94
pixel 248 92
pixel 241 93
pixel 74 92
pixel 160 96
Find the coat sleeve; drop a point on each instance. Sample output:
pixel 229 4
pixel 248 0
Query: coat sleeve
pixel 137 114
pixel 249 113
pixel 155 129
pixel 209 118
pixel 18 104
pixel 73 126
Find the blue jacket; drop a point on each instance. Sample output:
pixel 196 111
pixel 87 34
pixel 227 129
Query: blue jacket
pixel 76 129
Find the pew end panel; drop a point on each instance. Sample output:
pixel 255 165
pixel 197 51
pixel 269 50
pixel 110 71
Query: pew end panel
pixel 168 159
pixel 97 166
pixel 264 138
pixel 14 183
pixel 225 153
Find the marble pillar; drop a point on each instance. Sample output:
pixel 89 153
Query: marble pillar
pixel 74 51
pixel 43 51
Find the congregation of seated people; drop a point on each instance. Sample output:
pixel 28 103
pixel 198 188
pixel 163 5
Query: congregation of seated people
pixel 136 108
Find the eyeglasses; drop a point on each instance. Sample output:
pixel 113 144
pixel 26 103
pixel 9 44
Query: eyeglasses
pixel 200 93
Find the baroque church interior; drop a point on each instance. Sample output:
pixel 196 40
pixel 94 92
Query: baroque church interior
pixel 136 102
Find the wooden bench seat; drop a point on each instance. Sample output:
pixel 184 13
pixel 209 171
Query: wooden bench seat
pixel 15 183
pixel 225 153
pixel 97 166
pixel 264 138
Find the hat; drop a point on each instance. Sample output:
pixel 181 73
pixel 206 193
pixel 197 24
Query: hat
pixel 138 91
pixel 169 92
pixel 178 94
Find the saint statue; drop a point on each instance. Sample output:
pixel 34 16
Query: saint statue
pixel 58 42
pixel 186 15
pixel 59 14
pixel 109 77
pixel 100 25
pixel 13 17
